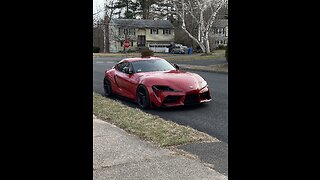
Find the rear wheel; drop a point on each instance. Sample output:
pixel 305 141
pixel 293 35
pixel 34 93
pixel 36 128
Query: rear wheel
pixel 143 97
pixel 107 87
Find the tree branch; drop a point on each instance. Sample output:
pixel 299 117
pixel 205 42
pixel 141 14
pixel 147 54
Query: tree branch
pixel 214 14
pixel 98 12
pixel 190 9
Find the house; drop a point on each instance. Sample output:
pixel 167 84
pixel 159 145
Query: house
pixel 140 33
pixel 219 33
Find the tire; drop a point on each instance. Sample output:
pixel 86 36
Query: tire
pixel 143 98
pixel 107 88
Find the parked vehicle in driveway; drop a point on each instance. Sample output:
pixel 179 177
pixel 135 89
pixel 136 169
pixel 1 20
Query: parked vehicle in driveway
pixel 177 50
pixel 154 82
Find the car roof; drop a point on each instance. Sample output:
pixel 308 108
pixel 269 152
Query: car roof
pixel 141 59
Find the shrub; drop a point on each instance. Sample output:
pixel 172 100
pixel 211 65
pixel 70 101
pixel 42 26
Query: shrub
pixel 143 48
pixel 131 50
pixel 96 49
pixel 146 53
pixel 221 47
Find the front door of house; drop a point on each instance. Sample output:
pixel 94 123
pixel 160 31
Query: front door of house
pixel 141 41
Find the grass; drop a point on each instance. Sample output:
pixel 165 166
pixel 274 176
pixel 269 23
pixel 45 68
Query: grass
pixel 218 54
pixel 148 127
pixel 210 68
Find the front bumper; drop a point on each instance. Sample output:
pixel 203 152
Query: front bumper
pixel 170 99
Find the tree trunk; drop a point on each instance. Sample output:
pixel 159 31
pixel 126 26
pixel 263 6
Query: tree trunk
pixel 144 9
pixel 107 40
pixel 106 43
pixel 207 44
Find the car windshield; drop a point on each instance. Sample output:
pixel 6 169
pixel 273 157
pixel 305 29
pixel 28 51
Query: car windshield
pixel 152 65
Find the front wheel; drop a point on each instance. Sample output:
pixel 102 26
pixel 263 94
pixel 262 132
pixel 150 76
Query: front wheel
pixel 107 87
pixel 143 97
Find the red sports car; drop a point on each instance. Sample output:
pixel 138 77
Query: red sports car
pixel 154 82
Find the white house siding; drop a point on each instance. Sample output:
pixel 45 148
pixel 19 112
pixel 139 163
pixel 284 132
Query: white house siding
pixel 220 35
pixel 116 39
pixel 115 45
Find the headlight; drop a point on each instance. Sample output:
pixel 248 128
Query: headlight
pixel 203 84
pixel 163 88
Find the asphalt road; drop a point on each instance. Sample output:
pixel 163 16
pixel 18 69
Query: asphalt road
pixel 211 118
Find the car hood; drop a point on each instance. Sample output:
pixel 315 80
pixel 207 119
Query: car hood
pixel 178 80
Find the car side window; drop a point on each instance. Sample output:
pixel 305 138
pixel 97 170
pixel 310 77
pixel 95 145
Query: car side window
pixel 120 66
pixel 131 67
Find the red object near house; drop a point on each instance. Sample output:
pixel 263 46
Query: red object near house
pixel 126 43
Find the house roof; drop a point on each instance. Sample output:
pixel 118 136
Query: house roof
pixel 220 23
pixel 142 23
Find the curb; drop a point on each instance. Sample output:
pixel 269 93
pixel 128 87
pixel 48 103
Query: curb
pixel 201 68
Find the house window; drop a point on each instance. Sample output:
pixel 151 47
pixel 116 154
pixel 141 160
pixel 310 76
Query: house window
pixel 127 31
pixel 132 31
pixel 121 43
pixel 166 31
pixel 153 31
pixel 219 42
pixel 131 43
pixel 216 31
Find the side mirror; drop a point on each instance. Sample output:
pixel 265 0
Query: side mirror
pixel 176 66
pixel 130 71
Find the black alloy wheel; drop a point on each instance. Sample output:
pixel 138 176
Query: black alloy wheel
pixel 107 87
pixel 143 97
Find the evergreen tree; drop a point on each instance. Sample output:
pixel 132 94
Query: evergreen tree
pixel 130 8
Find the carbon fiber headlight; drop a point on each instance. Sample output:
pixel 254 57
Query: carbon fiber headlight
pixel 203 84
pixel 163 88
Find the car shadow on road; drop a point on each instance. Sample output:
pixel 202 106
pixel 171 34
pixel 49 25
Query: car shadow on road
pixel 131 103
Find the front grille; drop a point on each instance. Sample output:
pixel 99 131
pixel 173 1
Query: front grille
pixel 191 99
pixel 205 95
pixel 171 99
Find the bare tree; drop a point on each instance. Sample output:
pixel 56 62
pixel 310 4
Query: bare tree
pixel 98 32
pixel 109 10
pixel 203 13
pixel 98 27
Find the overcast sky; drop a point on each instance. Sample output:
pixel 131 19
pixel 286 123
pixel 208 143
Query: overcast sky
pixel 98 5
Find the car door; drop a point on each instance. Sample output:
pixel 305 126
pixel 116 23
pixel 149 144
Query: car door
pixel 127 83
